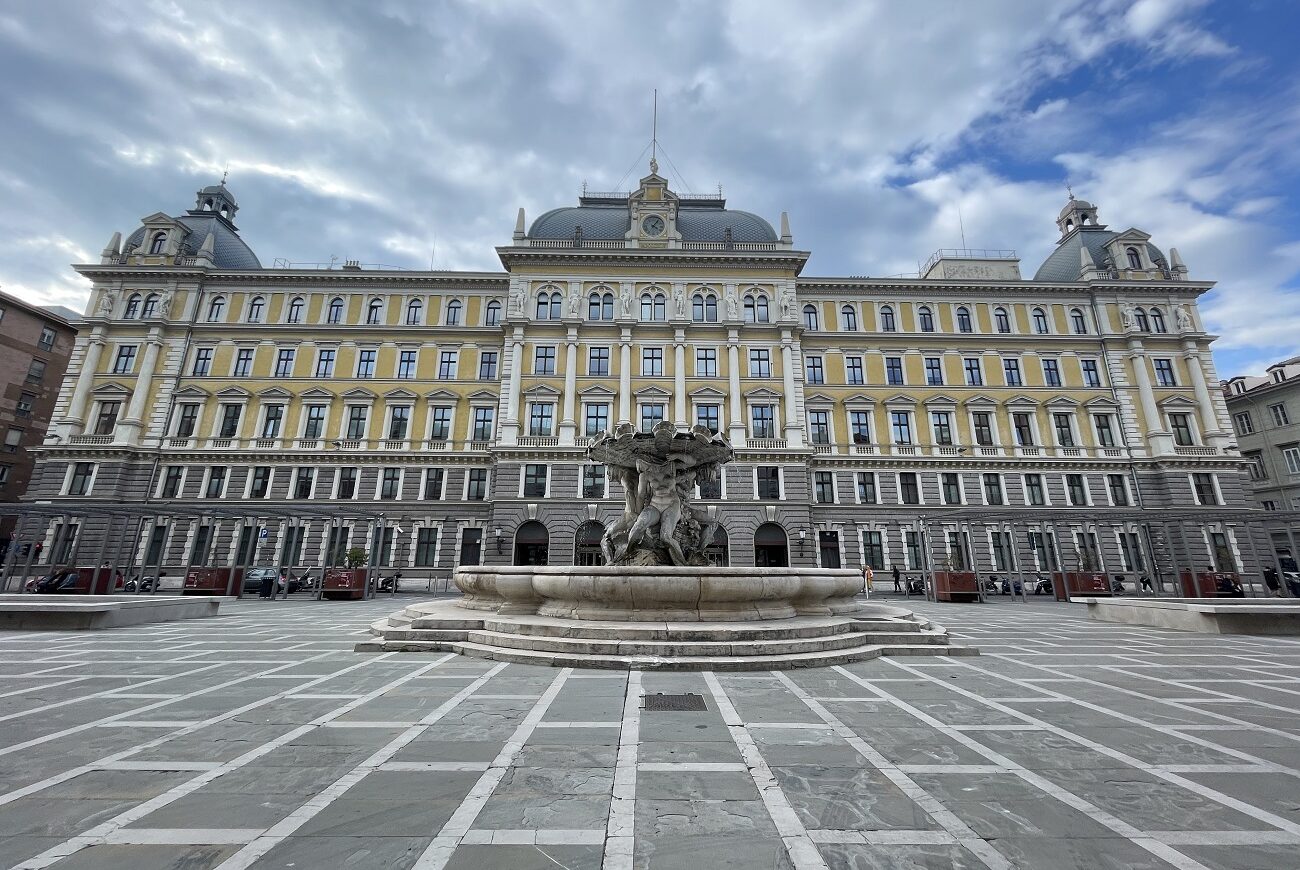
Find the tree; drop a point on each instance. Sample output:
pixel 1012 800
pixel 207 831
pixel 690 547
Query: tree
pixel 357 557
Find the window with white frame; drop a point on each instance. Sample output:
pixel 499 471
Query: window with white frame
pixel 909 487
pixel 106 418
pixel 1076 489
pixel 1291 456
pixel 1181 426
pixel 433 483
pixel 544 360
pixel 1091 373
pixel 272 420
pixel 853 372
pixel 848 318
pixel 358 416
pixel 814 371
pixel 709 416
pixel 651 416
pixel 1164 369
pixel 366 363
pixel 763 418
pixel 950 489
pixel 482 423
pixel 1117 489
pixel 706 362
pixel 900 426
pixel 541 418
pixel 314 420
pixel 215 487
pixel 124 362
pixel 598 361
pixel 1051 373
pixel 934 371
pixel 1243 423
pixel 1011 372
pixel 1279 414
pixel 345 485
pixel 595 417
pixel 447 365
pixel 819 426
pixel 652 362
pixel 964 323
pixel 243 363
pixel 824 487
pixel 768 481
pixel 593 481
pixel 993 489
pixel 173 481
pixel 406 361
pixel 325 363
pixel 304 482
pixel 1204 489
pixel 1035 494
pixel 982 427
pixel 80 478
pixel 941 425
pixel 476 484
pixel 535 480
pixel 1103 424
pixel 399 422
pixel 487 365
pixel 760 363
pixel 974 373
pixel 865 482
pixel 284 362
pixel 1063 425
pixel 1023 424
pixel 390 484
pixel 860 427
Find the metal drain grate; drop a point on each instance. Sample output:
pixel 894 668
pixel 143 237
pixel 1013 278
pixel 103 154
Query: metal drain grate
pixel 659 702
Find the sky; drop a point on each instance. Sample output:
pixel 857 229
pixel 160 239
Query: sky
pixel 405 132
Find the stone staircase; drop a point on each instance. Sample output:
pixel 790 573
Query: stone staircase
pixel 778 644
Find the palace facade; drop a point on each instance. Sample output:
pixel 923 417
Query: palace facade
pixel 232 413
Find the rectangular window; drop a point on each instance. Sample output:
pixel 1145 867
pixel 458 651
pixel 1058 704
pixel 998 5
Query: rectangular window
pixel 974 374
pixel 23 407
pixel 934 371
pixel 651 416
pixel 46 341
pixel 1011 372
pixel 202 362
pixel 426 547
pixel 1164 372
pixel 358 416
pixel 853 370
pixel 1117 486
pixel 1243 423
pixel 476 484
pixel 173 480
pixel 471 540
pixel 909 490
pixel 1003 554
pixel 1181 425
pixel 894 370
pixel 652 362
pixel 82 473
pixel 993 489
pixel 1034 493
pixel 1076 489
pixel 866 485
pixel 1044 547
pixel 982 423
pixel 440 423
pixel 950 487
pixel 259 481
pixel 243 363
pixel 760 363
pixel 873 549
pixel 769 481
pixel 484 418
pixel 229 421
pixel 487 365
pixel 860 427
pixel 912 543
pixel 284 363
pixel 187 420
pixel 1280 417
pixel 593 481
pixel 325 363
pixel 1105 430
pixel 1291 455
pixel 447 365
pixel 106 422
pixel 390 484
pixel 36 371
pixel 764 420
pixel 399 422
pixel 709 416
pixel 1064 430
pixel 598 361
pixel 124 362
pixel 366 363
pixel 941 423
pixel 544 360
pixel 272 421
pixel 406 364
pixel 595 419
pixel 1091 376
pixel 535 481
pixel 304 481
pixel 819 426
pixel 900 426
pixel 1024 426
pixel 1130 548
pixel 216 482
pixel 1051 373
pixel 706 362
pixel 347 485
pixel 824 487
pixel 541 417
pixel 816 374
pixel 433 479
pixel 314 425
pixel 1204 489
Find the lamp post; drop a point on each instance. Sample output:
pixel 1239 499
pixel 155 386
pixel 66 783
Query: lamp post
pixel 803 542
pixel 496 533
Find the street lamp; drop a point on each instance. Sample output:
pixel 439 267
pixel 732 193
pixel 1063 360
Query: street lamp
pixel 803 542
pixel 496 532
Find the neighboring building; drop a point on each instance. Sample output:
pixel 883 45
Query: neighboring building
pixel 1266 416
pixel 444 415
pixel 35 344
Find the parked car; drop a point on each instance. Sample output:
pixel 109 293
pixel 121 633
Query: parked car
pixel 254 578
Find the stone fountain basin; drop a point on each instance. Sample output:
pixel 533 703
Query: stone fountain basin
pixel 659 593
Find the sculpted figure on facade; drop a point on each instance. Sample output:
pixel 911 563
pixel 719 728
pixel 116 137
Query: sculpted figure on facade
pixel 1182 319
pixel 679 302
pixel 625 296
pixel 733 304
pixel 106 303
pixel 575 304
pixel 517 299
pixel 1126 316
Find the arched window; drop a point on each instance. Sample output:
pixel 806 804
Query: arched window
pixel 710 309
pixel 207 205
pixel 132 310
pixel 586 544
pixel 926 318
pixel 216 309
pixel 1157 320
pixel 150 308
pixel 593 307
pixel 255 309
pixel 887 321
pixel 549 306
pixel 1134 260
pixel 492 316
pixel 770 547
pixel 647 307
pixel 697 308
pixel 661 307
pixel 849 319
pixel 963 320
pixel 454 309
pixel 1040 321
pixel 375 310
pixel 531 544
pixel 295 310
pixel 336 311
pixel 1140 319
pixel 810 318
pixel 1001 319
pixel 158 243
pixel 756 308
pixel 1078 322
pixel 415 313
pixel 607 306
pixel 654 307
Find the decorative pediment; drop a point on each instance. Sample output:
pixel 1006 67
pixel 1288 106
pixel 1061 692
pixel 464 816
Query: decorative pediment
pixel 541 390
pixel 707 393
pixel 1062 402
pixel 596 390
pixel 274 393
pixel 316 393
pixel 399 394
pixel 112 390
pixel 1132 235
pixel 652 392
pixel 1022 400
pixel 480 396
pixel 1102 402
pixel 762 393
pixel 233 393
pixel 819 398
pixel 901 399
pixel 191 392
pixel 359 394
pixel 981 400
pixel 158 217
pixel 1176 402
pixel 940 400
pixel 859 399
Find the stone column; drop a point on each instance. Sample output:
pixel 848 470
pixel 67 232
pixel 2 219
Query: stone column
pixel 1159 440
pixel 625 377
pixel 568 424
pixel 510 419
pixel 132 424
pixel 791 413
pixel 735 417
pixel 76 414
pixel 1204 404
pixel 679 379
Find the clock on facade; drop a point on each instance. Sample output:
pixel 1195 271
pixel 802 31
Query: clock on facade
pixel 653 225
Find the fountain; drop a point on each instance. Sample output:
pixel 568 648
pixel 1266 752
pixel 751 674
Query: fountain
pixel 658 602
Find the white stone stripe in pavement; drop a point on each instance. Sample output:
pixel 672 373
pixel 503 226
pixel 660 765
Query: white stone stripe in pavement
pixel 418 766
pixel 620 826
pixel 894 837
pixel 693 766
pixel 181 836
pixel 803 853
pixel 528 837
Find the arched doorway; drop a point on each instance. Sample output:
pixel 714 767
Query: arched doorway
pixel 531 544
pixel 718 552
pixel 770 547
pixel 586 544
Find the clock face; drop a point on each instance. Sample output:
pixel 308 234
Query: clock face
pixel 653 225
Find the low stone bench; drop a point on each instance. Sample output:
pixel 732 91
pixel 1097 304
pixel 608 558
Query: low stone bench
pixel 92 612
pixel 1207 616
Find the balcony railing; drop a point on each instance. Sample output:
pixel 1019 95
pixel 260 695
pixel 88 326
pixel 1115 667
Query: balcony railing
pixel 1196 451
pixel 539 440
pixel 765 443
pixel 91 439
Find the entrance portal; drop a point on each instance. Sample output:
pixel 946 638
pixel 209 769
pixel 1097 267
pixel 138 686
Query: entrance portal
pixel 770 547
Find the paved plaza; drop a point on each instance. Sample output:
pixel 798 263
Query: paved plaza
pixel 259 739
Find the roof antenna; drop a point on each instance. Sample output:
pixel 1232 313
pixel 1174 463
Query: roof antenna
pixel 961 226
pixel 654 135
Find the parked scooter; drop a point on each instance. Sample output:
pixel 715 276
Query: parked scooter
pixel 145 584
pixel 391 583
pixel 1044 586
pixel 915 586
pixel 991 586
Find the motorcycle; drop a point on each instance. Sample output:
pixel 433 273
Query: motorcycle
pixel 1044 587
pixel 991 586
pixel 145 584
pixel 915 586
pixel 390 583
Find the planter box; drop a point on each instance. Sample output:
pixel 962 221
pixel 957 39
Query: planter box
pixel 344 583
pixel 213 581
pixel 956 586
pixel 1210 584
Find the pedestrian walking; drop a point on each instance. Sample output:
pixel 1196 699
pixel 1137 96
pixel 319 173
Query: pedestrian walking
pixel 868 575
pixel 898 586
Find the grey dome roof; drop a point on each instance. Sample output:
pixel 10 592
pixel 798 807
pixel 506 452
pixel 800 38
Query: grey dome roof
pixel 1062 266
pixel 1075 204
pixel 696 224
pixel 229 251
